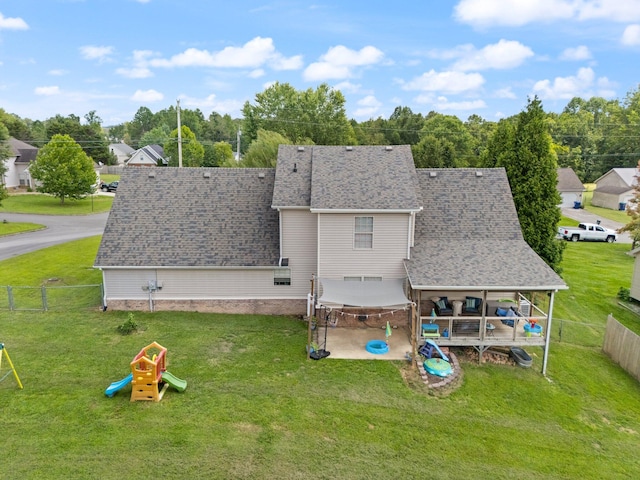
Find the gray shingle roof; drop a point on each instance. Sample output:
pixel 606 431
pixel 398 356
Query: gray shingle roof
pixel 346 178
pixel 568 181
pixel 23 152
pixel 179 218
pixel 468 235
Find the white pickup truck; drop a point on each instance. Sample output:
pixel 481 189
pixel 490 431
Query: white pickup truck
pixel 588 231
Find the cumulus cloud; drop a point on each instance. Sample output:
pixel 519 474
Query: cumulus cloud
pixel 505 93
pixel 367 107
pixel 91 52
pixel 340 62
pixel 576 54
pixel 445 82
pixel 211 102
pixel 582 84
pixel 515 13
pixel 631 36
pixel 47 91
pixel 144 96
pixel 253 54
pixel 9 23
pixel 503 55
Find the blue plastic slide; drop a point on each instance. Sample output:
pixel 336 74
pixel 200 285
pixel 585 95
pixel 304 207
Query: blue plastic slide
pixel 433 344
pixel 119 385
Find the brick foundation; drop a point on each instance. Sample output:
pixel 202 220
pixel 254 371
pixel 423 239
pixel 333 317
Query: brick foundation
pixel 257 307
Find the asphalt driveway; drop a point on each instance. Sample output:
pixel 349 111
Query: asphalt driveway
pixel 59 229
pixel 583 215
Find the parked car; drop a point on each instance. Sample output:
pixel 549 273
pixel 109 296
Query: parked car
pixel 109 187
pixel 588 232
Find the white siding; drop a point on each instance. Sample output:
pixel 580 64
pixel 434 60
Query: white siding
pixel 635 280
pixel 338 258
pixel 197 284
pixel 299 244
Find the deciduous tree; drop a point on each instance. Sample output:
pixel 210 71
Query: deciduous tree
pixel 63 169
pixel 192 149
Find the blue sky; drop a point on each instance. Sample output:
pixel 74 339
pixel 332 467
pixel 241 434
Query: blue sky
pixel 458 57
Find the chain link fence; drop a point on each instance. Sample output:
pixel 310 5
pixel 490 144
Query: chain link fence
pixel 54 298
pixel 578 333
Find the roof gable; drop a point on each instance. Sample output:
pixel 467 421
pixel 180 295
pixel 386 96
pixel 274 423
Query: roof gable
pixel 23 152
pixel 568 181
pixel 192 217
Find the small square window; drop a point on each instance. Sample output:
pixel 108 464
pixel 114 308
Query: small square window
pixel 282 276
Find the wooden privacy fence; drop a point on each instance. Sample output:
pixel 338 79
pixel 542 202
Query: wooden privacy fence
pixel 623 346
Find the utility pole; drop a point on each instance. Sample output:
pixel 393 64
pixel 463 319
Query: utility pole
pixel 179 137
pixel 238 145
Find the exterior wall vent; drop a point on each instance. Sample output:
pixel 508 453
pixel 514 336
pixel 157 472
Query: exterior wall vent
pixel 478 174
pixel 261 175
pixel 301 149
pixel 349 148
pixel 433 174
pixel 388 148
pixel 206 174
pixel 152 174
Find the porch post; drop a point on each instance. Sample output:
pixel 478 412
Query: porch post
pixel 547 339
pixel 413 335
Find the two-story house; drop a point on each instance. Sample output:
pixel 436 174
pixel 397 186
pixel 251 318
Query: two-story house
pixel 331 226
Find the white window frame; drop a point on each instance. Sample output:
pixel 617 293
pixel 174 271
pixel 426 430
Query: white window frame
pixel 363 233
pixel 282 276
pixel 362 278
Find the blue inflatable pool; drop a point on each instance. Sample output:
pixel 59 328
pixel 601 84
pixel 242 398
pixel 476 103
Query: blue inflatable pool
pixel 377 347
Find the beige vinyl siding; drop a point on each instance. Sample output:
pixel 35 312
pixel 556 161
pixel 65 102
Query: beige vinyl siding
pixel 635 280
pixel 299 245
pixel 338 258
pixel 198 284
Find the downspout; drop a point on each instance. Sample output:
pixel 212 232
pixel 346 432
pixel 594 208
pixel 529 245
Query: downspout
pixel 547 340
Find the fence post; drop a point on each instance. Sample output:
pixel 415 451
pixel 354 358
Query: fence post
pixel 44 298
pixel 560 331
pixel 10 296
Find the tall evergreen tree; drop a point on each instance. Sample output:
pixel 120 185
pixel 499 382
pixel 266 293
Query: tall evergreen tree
pixel 531 167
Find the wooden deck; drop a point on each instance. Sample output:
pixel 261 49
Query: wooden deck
pixel 467 331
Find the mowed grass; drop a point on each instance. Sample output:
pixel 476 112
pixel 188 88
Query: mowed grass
pixel 256 408
pixel 49 205
pixel 11 228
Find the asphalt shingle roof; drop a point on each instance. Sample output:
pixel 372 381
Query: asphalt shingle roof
pixel 468 235
pixel 23 152
pixel 179 218
pixel 346 178
pixel 568 181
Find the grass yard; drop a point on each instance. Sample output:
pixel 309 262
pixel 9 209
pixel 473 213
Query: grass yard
pixel 256 408
pixel 48 205
pixel 11 228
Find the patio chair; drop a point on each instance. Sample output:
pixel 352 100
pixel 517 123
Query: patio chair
pixel 443 307
pixel 472 306
pixel 510 316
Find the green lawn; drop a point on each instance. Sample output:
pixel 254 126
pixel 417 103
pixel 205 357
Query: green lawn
pixel 49 205
pixel 11 228
pixel 256 408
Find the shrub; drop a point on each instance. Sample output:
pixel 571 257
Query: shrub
pixel 129 326
pixel 624 294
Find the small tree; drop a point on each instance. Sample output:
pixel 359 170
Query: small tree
pixel 633 210
pixel 192 149
pixel 63 169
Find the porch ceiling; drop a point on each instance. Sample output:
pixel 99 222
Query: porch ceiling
pixel 464 264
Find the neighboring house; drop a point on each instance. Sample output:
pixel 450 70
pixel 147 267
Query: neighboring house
pixel 614 189
pixel 17 174
pixel 148 156
pixel 570 188
pixel 122 151
pixel 330 227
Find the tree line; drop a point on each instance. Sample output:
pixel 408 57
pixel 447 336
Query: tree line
pixel 590 135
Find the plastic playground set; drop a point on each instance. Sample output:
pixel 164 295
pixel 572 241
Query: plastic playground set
pixel 149 377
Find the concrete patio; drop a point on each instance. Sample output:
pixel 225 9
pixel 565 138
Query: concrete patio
pixel 350 343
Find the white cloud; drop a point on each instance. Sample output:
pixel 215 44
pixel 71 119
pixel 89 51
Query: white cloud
pixel 8 23
pixel 515 13
pixel 581 52
pixel 257 73
pixel 340 62
pixel 445 82
pixel 503 55
pixel 47 91
pixel 57 72
pixel 91 52
pixel 505 93
pixel 583 84
pixel 212 103
pixel 348 87
pixel 134 72
pixel 367 107
pixel 442 103
pixel 144 96
pixel 253 54
pixel 631 36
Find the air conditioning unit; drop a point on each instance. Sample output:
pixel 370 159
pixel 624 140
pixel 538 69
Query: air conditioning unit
pixel 525 307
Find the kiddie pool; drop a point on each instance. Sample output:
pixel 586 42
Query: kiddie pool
pixel 377 347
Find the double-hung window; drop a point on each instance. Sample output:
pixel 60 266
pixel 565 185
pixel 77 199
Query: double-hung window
pixel 363 232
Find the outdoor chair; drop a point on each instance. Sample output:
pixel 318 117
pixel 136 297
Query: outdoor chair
pixel 472 306
pixel 443 307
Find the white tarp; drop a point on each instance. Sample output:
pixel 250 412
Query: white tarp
pixel 386 293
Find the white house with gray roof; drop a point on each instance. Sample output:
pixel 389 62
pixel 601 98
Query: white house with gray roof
pixel 315 231
pixel 17 165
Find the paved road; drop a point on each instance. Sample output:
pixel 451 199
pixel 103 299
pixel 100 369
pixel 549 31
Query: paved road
pixel 583 215
pixel 59 229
